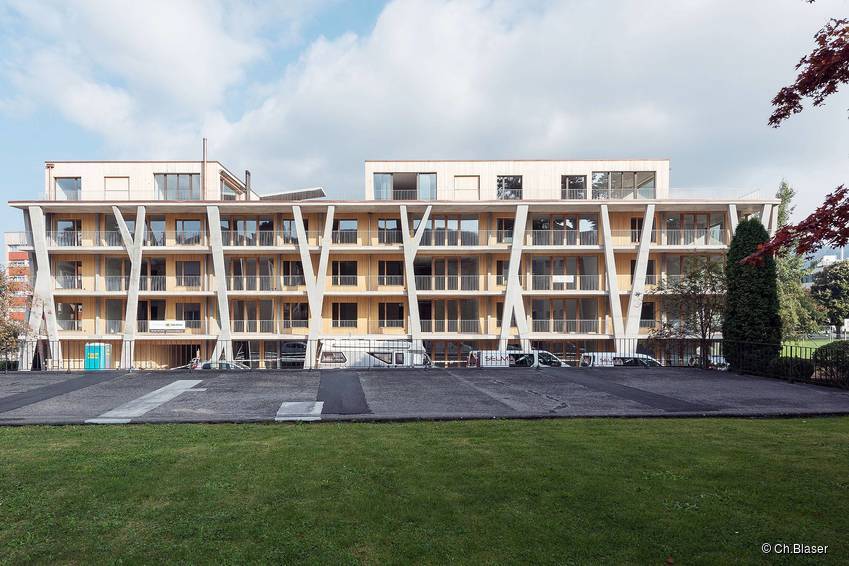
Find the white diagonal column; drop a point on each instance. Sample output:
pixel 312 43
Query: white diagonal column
pixel 513 303
pixel 765 215
pixel 732 218
pixel 773 221
pixel 315 282
pixel 411 247
pixel 43 306
pixel 638 285
pixel 224 343
pixel 610 268
pixel 133 244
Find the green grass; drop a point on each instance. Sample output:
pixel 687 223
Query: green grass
pixel 560 491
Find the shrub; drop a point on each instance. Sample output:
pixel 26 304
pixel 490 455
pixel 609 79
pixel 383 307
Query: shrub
pixel 832 362
pixel 787 367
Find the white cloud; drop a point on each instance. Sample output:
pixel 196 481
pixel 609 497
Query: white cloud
pixel 689 80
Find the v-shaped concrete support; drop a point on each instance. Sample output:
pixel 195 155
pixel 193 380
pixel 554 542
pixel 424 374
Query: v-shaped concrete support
pixel 224 343
pixel 43 306
pixel 316 282
pixel 638 285
pixel 610 268
pixel 513 301
pixel 133 245
pixel 411 247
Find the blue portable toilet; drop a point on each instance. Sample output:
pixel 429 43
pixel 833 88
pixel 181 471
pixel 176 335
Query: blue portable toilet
pixel 98 356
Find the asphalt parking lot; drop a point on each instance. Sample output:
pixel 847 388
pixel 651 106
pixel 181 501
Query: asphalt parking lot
pixel 387 394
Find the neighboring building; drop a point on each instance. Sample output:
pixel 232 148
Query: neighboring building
pixel 183 257
pixel 18 271
pixel 815 267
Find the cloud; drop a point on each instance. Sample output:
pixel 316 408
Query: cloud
pixel 689 80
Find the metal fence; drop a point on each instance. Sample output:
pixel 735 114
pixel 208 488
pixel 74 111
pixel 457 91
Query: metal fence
pixel 825 365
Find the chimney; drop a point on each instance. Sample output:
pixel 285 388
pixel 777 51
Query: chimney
pixel 247 185
pixel 203 173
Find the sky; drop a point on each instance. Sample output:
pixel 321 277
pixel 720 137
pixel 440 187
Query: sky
pixel 301 92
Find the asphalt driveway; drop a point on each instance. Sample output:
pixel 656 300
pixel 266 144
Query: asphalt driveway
pixel 133 397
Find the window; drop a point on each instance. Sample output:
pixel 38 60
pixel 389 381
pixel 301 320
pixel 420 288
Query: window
pixel 190 313
pixel 426 185
pixel 390 273
pixel 69 274
pixel 155 232
pixel 177 186
pixel 389 231
pixel 504 230
pixel 344 231
pixel 344 272
pixel 385 357
pixel 116 188
pixel 636 229
pixel 333 358
pixel 228 191
pixel 573 187
pixel 68 188
pixel 188 232
pixel 623 184
pixel 501 270
pixel 296 315
pixel 292 272
pixel 647 315
pixel 650 272
pixel 67 233
pixel 391 315
pixel 344 315
pixel 289 232
pixel 69 315
pixel 383 186
pixel 188 273
pixel 509 187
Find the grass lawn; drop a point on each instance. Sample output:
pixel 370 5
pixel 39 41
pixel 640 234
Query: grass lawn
pixel 814 344
pixel 560 491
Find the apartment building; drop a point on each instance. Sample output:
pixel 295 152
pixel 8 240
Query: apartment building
pixel 452 255
pixel 18 272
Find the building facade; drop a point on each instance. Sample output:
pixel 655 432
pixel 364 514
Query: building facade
pixel 164 258
pixel 18 272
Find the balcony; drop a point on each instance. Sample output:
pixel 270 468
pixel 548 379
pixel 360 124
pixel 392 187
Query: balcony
pixel 565 283
pixel 449 282
pixel 389 326
pixel 152 283
pixel 663 237
pixel 446 237
pixel 290 324
pixel 344 237
pixel 69 282
pixel 114 327
pixel 257 283
pixel 390 237
pixel 189 282
pixel 343 323
pixel 265 238
pixel 69 325
pixel 345 280
pixel 389 281
pixel 254 326
pixel 562 238
pixel 172 327
pixel 117 282
pixel 626 282
pixel 472 326
pixel 556 326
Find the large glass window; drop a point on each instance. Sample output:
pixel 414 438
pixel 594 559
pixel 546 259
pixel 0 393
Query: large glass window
pixel 344 315
pixel 188 273
pixel 189 232
pixel 68 188
pixel 383 186
pixel 390 273
pixel 623 184
pixel 177 186
pixel 509 187
pixel 345 231
pixel 389 231
pixel 426 184
pixel 344 272
pixel 573 187
pixel 391 315
pixel 295 315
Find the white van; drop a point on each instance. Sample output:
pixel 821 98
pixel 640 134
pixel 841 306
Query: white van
pixel 617 359
pixel 353 353
pixel 513 358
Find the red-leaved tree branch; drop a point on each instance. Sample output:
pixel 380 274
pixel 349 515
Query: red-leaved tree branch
pixel 821 72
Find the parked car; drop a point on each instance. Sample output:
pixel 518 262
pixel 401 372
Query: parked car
pixel 513 358
pixel 618 359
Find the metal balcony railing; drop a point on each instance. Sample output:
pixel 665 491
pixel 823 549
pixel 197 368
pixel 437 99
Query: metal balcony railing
pixel 341 323
pixel 344 280
pixel 117 282
pixel 344 236
pixel 564 282
pixel 71 325
pixel 111 239
pixel 152 283
pixel 562 238
pixel 252 283
pixel 254 326
pixel 193 327
pixel 390 280
pixel 114 326
pixel 390 237
pixel 649 324
pixel 438 237
pixel 69 282
pixel 563 326
pixel 287 324
pixel 189 282
pixel 248 239
pixel 449 282
pixel 472 326
pixel 293 280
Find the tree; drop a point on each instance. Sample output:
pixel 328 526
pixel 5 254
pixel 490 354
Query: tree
pixel 821 73
pixel 831 290
pixel 799 311
pixel 10 330
pixel 752 308
pixel 697 298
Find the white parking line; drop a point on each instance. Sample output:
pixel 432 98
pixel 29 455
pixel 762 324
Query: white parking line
pixel 299 411
pixel 137 407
